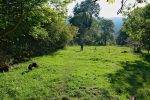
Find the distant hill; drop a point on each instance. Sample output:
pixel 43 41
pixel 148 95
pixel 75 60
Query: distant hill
pixel 118 21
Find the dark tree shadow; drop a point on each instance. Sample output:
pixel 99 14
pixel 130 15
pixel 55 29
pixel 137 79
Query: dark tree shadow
pixel 133 80
pixel 146 57
pixel 21 60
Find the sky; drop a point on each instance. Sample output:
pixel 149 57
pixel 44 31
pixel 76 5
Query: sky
pixel 107 10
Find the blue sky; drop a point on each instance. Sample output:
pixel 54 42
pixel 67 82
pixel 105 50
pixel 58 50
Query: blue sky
pixel 107 10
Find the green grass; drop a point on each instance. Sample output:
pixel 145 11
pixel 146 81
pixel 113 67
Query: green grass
pixel 101 74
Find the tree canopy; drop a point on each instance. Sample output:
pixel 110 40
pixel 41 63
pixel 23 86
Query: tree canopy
pixel 107 26
pixel 30 27
pixel 83 16
pixel 137 26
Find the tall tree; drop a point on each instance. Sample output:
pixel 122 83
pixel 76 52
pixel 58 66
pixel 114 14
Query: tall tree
pixel 137 26
pixel 107 27
pixel 83 15
pixel 93 35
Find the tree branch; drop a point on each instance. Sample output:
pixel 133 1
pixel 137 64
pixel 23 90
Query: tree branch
pixel 122 5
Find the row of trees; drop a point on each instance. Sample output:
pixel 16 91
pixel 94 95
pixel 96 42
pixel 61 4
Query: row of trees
pixel 32 27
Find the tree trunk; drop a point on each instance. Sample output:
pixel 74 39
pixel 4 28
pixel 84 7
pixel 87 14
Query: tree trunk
pixel 148 49
pixel 81 46
pixel 105 41
pixel 81 40
pixel 137 49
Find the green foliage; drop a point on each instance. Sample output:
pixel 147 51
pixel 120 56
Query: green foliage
pixel 60 33
pixel 122 38
pixel 13 12
pixel 99 33
pixel 107 27
pixel 89 7
pixel 83 16
pixel 136 25
pixel 33 29
pixel 91 30
pixel 39 33
pixel 92 34
pixel 90 74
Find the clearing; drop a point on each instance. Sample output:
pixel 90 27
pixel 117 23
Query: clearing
pixel 104 74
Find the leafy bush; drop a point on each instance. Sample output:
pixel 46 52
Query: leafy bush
pixel 41 30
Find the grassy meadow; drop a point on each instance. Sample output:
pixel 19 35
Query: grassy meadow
pixel 103 73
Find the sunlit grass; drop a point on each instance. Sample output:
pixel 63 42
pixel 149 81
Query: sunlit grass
pixel 73 74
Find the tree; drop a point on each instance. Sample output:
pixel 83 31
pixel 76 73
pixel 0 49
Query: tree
pixel 122 38
pixel 137 27
pixel 30 27
pixel 14 12
pixel 99 33
pixel 93 35
pixel 83 15
pixel 107 27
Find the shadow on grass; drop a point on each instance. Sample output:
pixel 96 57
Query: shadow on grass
pixel 146 57
pixel 21 60
pixel 133 80
pixel 25 58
